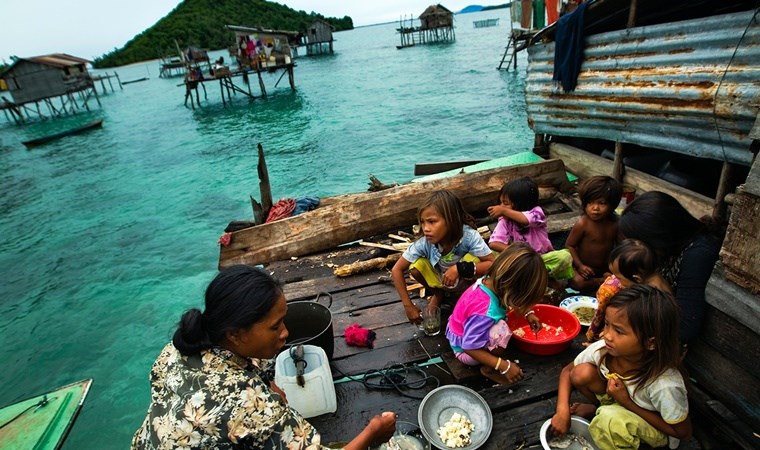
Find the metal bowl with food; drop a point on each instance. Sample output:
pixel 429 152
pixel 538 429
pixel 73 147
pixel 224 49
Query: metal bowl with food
pixel 445 403
pixel 408 436
pixel 576 438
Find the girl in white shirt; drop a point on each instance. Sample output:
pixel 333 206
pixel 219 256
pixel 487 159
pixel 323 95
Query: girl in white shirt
pixel 631 375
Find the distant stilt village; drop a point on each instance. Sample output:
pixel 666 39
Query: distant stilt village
pixel 59 84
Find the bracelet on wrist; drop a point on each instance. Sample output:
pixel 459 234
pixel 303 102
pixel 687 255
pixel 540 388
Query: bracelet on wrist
pixel 529 313
pixel 498 363
pixel 509 366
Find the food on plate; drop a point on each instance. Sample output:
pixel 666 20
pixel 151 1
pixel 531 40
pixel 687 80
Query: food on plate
pixel 456 432
pixel 584 313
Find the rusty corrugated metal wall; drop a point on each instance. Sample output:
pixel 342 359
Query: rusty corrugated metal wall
pixel 691 87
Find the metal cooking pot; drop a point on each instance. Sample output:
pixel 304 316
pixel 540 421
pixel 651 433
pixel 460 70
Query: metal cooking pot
pixel 310 322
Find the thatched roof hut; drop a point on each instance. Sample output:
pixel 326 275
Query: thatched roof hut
pixel 436 16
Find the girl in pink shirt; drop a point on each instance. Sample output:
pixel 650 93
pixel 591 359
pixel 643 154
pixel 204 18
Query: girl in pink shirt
pixel 477 330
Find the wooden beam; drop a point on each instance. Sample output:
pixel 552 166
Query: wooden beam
pixel 368 214
pixel 586 164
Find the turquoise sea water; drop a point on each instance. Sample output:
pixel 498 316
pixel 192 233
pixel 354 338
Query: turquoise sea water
pixel 107 237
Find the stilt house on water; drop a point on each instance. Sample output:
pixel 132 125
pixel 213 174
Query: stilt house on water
pixel 664 97
pixel 256 50
pixel 318 38
pixel 59 81
pixel 436 25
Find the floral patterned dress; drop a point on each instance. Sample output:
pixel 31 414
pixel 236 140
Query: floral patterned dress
pixel 218 400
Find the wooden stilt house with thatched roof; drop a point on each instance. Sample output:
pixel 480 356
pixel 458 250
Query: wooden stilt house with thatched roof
pixel 436 25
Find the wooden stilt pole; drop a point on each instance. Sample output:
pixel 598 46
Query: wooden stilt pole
pixel 261 84
pixel 726 174
pixel 221 90
pixel 618 169
pixel 264 187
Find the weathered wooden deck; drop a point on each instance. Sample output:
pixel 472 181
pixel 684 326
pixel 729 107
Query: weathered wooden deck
pixel 370 300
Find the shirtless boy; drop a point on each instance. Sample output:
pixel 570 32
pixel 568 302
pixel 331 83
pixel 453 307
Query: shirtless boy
pixel 595 234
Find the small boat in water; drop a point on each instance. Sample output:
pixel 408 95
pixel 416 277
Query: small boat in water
pixel 45 139
pixel 42 422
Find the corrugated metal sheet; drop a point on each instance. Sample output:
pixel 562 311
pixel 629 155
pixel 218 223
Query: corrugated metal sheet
pixel 692 87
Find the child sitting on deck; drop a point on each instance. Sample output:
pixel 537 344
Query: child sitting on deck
pixel 595 234
pixel 632 376
pixel 477 329
pixel 520 218
pixel 450 252
pixel 631 262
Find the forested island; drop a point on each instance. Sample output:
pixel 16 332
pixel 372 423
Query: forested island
pixel 201 23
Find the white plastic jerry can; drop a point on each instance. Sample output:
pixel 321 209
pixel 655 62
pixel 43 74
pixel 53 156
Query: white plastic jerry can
pixel 317 395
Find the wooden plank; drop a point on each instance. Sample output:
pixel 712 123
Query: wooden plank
pixel 403 352
pixel 734 301
pixel 586 164
pixel 557 223
pixel 357 404
pixel 733 432
pixel 378 245
pixel 308 289
pixel 741 245
pixel 372 213
pixel 385 337
pixel 723 333
pixel 733 386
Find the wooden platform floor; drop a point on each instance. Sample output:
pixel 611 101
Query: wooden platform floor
pixel 370 300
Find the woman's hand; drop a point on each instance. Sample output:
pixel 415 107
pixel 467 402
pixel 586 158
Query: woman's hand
pixel 383 426
pixel 413 313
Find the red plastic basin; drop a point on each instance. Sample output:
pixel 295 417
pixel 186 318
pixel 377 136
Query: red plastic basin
pixel 560 328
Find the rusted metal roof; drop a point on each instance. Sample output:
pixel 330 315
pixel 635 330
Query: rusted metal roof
pixel 691 86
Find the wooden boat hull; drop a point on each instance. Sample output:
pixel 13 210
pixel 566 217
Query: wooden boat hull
pixel 42 422
pixel 45 139
pixel 360 215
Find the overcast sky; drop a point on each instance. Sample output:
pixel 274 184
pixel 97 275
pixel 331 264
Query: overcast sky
pixel 90 28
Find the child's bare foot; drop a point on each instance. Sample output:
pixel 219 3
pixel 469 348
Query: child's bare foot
pixel 585 410
pixel 493 375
